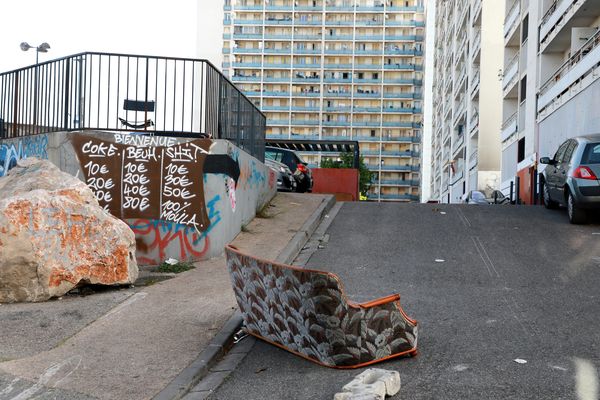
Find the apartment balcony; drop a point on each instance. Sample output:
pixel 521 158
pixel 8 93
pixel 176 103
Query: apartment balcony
pixel 397 95
pixel 305 108
pixel 476 6
pixel 306 66
pixel 308 80
pixel 253 36
pixel 248 22
pixel 375 52
pixel 405 8
pixel 561 17
pixel 362 124
pixel 366 109
pixel 278 51
pixel 338 123
pixel 410 38
pixel 511 74
pixel 305 122
pixel 226 22
pixel 339 8
pixel 337 66
pixel 509 127
pixel 307 94
pixel 398 182
pixel 400 52
pixel 337 37
pixel 511 22
pixel 275 108
pixel 473 123
pixel 387 167
pixel 296 37
pixel 308 22
pixel 476 45
pixel 338 109
pixel 367 81
pixel 338 51
pixel 366 94
pixel 242 78
pixel 269 93
pixel 308 51
pixel 406 67
pixel 391 139
pixel 458 144
pixel 373 38
pixel 278 65
pixel 276 79
pixel 400 124
pixel 577 73
pixel 241 50
pixel 337 94
pixel 473 160
pixel 309 8
pixel 397 197
pixel 475 81
pixel 337 80
pixel 283 37
pixel 415 82
pixel 269 7
pixel 257 7
pixel 363 23
pixel 401 110
pixel 277 122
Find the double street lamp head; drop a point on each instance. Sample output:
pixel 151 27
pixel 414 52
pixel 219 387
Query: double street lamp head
pixel 42 48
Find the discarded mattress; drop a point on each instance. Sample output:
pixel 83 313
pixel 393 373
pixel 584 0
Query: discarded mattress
pixel 306 312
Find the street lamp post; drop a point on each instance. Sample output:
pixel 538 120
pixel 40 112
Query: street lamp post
pixel 42 48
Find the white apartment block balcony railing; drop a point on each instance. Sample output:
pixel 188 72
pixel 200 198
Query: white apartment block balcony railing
pixel 476 6
pixel 463 11
pixel 458 144
pixel 473 159
pixel 476 44
pixel 509 127
pixel 511 22
pixel 561 14
pixel 475 81
pixel 473 123
pixel 578 72
pixel 511 74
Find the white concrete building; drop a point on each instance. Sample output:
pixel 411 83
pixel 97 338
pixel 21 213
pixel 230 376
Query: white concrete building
pixel 337 70
pixel 467 98
pixel 551 88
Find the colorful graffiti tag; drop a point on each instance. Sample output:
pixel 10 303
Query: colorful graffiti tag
pixel 156 238
pixel 29 146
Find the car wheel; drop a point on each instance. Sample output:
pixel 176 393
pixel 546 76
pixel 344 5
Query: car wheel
pixel 548 203
pixel 576 214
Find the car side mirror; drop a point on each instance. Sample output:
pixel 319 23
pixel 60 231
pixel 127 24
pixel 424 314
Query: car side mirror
pixel 546 160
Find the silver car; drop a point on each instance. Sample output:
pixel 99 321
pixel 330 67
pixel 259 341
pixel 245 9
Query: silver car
pixel 285 178
pixel 571 177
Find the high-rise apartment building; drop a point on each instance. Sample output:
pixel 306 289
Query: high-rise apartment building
pixel 550 83
pixel 336 70
pixel 467 98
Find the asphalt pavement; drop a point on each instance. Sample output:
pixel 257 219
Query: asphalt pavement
pixel 134 342
pixel 506 297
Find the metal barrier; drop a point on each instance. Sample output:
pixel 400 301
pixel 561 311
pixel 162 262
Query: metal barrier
pixel 121 92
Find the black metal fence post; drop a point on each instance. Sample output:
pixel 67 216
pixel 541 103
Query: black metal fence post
pixel 512 184
pixel 517 190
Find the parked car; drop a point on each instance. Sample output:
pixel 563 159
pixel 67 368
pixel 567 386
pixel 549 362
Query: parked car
pixel 571 177
pixel 297 165
pixel 497 197
pixel 475 197
pixel 285 179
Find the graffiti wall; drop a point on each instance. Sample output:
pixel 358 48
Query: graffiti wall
pixel 14 150
pixel 183 198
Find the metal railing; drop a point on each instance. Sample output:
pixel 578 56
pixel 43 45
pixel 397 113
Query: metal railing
pixel 588 46
pixel 134 93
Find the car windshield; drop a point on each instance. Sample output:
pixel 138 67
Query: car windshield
pixel 274 155
pixel 477 196
pixel 591 154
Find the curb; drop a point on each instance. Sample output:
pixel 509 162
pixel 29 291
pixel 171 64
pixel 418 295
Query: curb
pixel 223 341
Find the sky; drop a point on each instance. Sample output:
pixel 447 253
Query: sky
pixel 178 28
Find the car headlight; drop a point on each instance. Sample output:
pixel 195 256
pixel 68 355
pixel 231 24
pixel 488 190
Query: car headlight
pixel 282 169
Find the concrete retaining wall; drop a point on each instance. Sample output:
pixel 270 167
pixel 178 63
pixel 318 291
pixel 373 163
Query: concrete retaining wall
pixel 183 198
